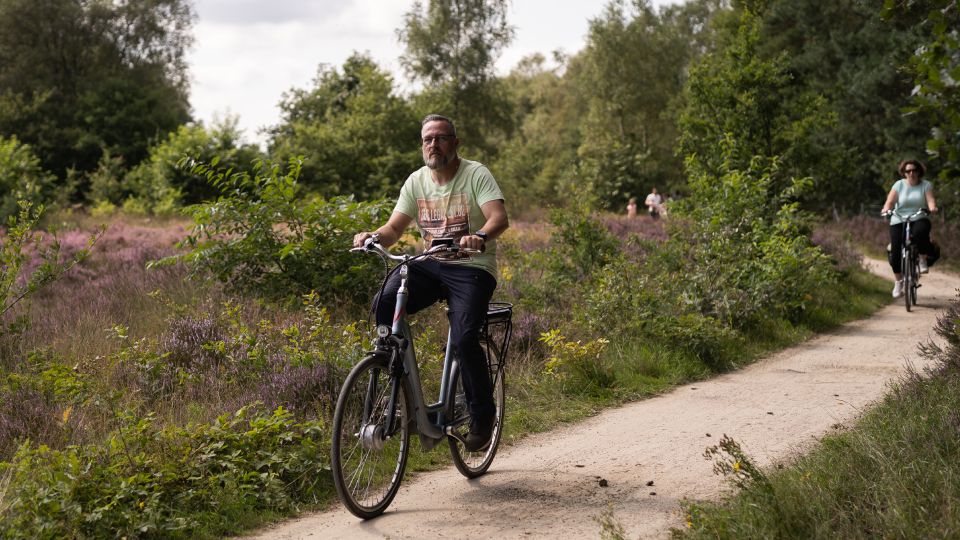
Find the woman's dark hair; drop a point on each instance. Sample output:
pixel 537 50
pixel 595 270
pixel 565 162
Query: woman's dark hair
pixel 915 163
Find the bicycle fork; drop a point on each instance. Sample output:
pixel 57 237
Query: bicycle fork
pixel 906 253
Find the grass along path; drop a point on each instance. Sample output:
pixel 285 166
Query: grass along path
pixel 551 482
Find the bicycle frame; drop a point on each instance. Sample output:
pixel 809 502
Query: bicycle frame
pixel 400 341
pixel 372 428
pixel 907 241
pixel 909 274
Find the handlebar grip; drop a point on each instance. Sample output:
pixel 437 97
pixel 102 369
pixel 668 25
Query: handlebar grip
pixel 372 239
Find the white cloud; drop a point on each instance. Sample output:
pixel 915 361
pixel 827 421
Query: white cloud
pixel 247 53
pixel 243 12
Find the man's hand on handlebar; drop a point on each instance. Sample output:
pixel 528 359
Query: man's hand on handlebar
pixel 472 242
pixel 360 239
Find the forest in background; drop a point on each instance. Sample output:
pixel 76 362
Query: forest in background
pixel 94 103
pixel 177 380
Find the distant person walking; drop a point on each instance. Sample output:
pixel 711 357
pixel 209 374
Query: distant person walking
pixel 632 208
pixel 654 203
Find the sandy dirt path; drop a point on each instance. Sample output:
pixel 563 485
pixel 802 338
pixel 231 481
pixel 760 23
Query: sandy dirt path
pixel 548 485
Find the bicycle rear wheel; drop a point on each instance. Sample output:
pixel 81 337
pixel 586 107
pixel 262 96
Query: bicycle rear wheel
pixel 905 275
pixel 474 464
pixel 367 462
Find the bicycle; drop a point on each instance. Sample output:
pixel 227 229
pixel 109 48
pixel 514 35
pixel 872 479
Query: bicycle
pixel 382 402
pixel 909 258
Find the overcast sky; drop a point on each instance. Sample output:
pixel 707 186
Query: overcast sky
pixel 247 53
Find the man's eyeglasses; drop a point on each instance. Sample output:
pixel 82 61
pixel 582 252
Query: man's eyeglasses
pixel 427 141
pixel 908 171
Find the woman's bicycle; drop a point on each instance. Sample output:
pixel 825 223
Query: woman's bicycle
pixel 382 402
pixel 909 258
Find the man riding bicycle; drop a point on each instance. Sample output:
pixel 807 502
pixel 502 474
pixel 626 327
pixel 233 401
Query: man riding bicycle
pixel 456 200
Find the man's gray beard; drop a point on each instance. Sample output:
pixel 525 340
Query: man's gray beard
pixel 438 162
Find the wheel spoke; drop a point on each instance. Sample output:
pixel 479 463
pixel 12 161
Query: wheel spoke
pixel 473 464
pixel 368 469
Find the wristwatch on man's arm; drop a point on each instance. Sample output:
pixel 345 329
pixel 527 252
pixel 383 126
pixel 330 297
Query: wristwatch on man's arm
pixel 482 235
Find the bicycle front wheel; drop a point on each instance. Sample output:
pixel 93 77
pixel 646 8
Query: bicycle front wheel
pixel 367 461
pixel 915 275
pixel 474 464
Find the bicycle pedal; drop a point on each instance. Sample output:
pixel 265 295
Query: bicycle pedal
pixel 451 431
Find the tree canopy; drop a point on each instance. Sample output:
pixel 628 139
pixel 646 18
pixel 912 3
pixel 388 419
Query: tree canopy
pixel 452 47
pixel 79 77
pixel 837 92
pixel 357 136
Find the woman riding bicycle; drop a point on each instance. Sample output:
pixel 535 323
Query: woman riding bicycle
pixel 909 195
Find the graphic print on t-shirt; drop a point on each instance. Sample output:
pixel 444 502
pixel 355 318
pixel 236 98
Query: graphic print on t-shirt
pixel 444 217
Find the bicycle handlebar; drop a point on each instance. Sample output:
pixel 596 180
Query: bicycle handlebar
pixel 919 213
pixel 373 245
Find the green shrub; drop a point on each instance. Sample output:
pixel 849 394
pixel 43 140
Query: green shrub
pixel 264 236
pixel 360 136
pixel 225 359
pixel 106 182
pixel 581 360
pixel 148 482
pixel 581 243
pixel 158 185
pixel 544 284
pixel 746 249
pixel 21 178
pixel 103 209
pixel 37 402
pixel 15 257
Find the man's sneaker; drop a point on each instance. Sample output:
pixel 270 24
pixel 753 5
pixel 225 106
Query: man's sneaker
pixel 481 431
pixel 923 265
pixel 898 288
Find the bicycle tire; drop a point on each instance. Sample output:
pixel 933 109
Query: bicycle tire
pixel 368 469
pixel 905 275
pixel 474 464
pixel 915 273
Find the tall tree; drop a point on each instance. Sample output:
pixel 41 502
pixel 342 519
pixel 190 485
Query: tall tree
pixel 740 105
pixel 452 48
pixel 634 66
pixel 81 76
pixel 356 134
pixel 936 69
pixel 846 52
pixel 539 160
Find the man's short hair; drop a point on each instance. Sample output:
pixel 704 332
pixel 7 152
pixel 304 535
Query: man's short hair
pixel 439 118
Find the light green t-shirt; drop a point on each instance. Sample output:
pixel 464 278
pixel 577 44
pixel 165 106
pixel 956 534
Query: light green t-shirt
pixel 911 198
pixel 453 209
